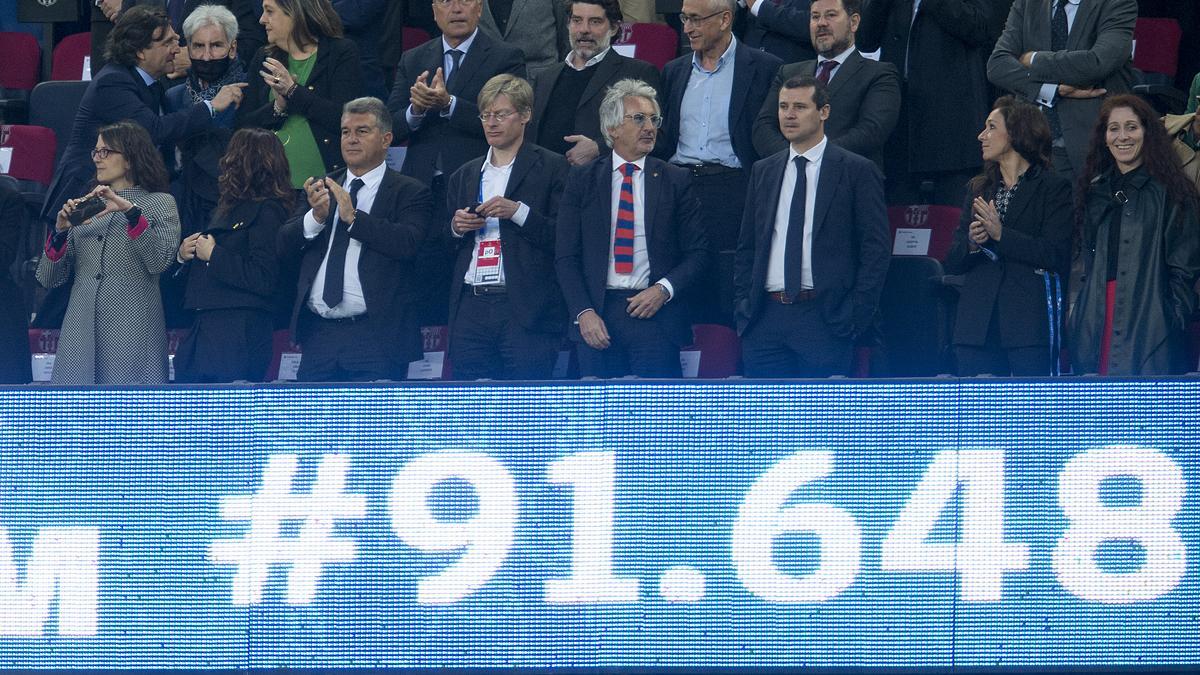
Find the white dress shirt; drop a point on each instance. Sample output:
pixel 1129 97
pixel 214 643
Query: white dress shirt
pixel 640 278
pixel 493 181
pixel 352 303
pixel 590 62
pixel 783 213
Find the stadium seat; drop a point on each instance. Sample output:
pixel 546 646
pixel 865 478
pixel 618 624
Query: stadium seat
pixel 53 105
pixel 413 37
pixel 939 221
pixel 720 351
pixel 20 58
pixel 652 42
pixel 32 155
pixel 69 55
pixel 1156 58
pixel 915 319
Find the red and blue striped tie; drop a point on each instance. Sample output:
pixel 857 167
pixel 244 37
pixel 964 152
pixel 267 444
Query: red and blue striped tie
pixel 623 241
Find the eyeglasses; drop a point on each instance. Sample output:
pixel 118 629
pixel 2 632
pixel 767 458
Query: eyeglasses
pixel 498 115
pixel 686 19
pixel 640 119
pixel 103 153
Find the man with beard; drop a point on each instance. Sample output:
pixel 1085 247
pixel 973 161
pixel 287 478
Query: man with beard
pixel 631 246
pixel 571 125
pixel 864 95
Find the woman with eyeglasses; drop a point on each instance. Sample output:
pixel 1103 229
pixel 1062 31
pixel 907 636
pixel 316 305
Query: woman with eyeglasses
pixel 1141 248
pixel 231 267
pixel 115 241
pixel 299 82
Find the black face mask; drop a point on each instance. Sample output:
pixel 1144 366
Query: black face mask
pixel 211 70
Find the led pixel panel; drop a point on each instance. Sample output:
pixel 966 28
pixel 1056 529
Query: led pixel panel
pixel 619 524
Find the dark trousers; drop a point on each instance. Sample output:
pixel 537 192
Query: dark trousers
pixel 641 347
pixel 346 350
pixel 722 195
pixel 486 341
pixel 434 265
pixel 226 345
pixel 793 341
pixel 991 358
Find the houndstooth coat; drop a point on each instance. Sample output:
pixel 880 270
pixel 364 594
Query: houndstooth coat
pixel 113 332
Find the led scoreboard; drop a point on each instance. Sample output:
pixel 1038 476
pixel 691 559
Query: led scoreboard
pixel 937 524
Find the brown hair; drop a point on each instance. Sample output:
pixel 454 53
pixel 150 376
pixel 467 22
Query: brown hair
pixel 146 168
pixel 135 31
pixel 1028 133
pixel 1158 158
pixel 311 20
pixel 612 11
pixel 254 167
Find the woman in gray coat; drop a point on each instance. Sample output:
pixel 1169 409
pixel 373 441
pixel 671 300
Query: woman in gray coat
pixel 113 332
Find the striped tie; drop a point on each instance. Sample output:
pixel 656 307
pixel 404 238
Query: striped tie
pixel 623 242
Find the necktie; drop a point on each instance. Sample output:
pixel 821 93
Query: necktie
pixel 335 266
pixel 160 93
pixel 1058 42
pixel 455 59
pixel 623 241
pixel 825 69
pixel 793 252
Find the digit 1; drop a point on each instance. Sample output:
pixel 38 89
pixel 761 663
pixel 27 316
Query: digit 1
pixel 593 477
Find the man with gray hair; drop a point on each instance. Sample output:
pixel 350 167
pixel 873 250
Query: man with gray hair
pixel 356 245
pixel 631 246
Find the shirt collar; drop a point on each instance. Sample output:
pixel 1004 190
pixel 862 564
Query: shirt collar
pixel 487 162
pixel 726 56
pixel 145 76
pixel 813 154
pixel 464 46
pixel 617 161
pixel 840 58
pixel 371 178
pixel 590 62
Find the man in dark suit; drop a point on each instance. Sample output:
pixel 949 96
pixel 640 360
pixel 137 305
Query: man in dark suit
pixel 813 251
pixel 571 125
pixel 940 52
pixel 711 98
pixel 507 316
pixel 631 245
pixel 142 48
pixel 864 95
pixel 356 245
pixel 778 27
pixel 1066 56
pixel 105 13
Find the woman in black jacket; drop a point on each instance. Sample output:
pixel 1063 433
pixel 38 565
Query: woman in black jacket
pixel 299 82
pixel 231 267
pixel 1014 238
pixel 1141 248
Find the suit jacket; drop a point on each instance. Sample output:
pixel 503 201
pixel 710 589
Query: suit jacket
pixel 850 240
pixel 459 137
pixel 391 235
pixel 537 180
pixel 1037 233
pixel 117 93
pixel 537 27
pixel 1097 55
pixel 14 316
pixel 611 69
pixel 864 103
pixel 752 74
pixel 944 49
pixel 676 241
pixel 241 272
pixel 336 78
pixel 361 20
pixel 781 29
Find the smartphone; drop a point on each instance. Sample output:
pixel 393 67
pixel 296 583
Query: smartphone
pixel 472 209
pixel 86 209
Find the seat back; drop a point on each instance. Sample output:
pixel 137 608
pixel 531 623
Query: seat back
pixel 718 348
pixel 69 55
pixel 1156 46
pixel 413 37
pixel 20 58
pixel 652 42
pixel 923 229
pixel 914 318
pixel 53 105
pixel 32 152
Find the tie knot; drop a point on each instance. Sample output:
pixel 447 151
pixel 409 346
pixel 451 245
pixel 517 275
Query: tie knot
pixel 356 184
pixel 800 161
pixel 628 168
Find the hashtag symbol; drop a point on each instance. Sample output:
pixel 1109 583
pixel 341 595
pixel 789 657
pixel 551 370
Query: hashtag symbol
pixel 263 546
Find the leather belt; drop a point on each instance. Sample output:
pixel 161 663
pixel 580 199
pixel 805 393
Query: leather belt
pixel 487 289
pixel 782 297
pixel 345 319
pixel 708 169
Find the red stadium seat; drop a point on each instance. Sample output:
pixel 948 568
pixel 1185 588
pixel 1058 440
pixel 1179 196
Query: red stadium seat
pixel 720 350
pixel 412 37
pixel 32 153
pixel 20 58
pixel 69 55
pixel 653 42
pixel 940 221
pixel 1156 60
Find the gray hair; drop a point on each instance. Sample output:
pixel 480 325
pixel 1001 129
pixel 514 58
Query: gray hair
pixel 369 105
pixel 730 6
pixel 612 108
pixel 211 15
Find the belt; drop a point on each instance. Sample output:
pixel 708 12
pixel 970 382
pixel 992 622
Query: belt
pixel 782 297
pixel 492 289
pixel 708 168
pixel 345 319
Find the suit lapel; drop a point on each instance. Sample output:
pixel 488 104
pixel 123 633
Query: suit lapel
pixel 845 72
pixel 603 192
pixel 471 62
pixel 512 16
pixel 773 180
pixel 525 162
pixel 322 60
pixel 741 84
pixel 604 70
pixel 651 190
pixel 827 182
pixel 1020 199
pixel 1083 15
